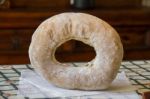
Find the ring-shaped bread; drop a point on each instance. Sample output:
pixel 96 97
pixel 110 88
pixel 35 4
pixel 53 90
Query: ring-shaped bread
pixel 95 75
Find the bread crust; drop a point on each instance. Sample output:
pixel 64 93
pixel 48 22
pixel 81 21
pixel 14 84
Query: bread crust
pixel 97 74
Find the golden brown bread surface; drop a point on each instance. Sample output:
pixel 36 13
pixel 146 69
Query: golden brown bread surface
pixel 95 75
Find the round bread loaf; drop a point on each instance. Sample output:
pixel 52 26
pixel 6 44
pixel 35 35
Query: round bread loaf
pixel 96 74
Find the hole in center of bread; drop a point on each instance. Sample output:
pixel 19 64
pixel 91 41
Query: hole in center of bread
pixel 74 51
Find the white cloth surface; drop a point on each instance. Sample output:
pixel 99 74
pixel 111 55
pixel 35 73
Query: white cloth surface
pixel 33 85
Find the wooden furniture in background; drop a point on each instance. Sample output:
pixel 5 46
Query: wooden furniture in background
pixel 146 95
pixel 20 18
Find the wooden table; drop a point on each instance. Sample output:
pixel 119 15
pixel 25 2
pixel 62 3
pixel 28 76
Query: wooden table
pixel 137 71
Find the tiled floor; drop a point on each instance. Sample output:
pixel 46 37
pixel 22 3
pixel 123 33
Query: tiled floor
pixel 137 71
